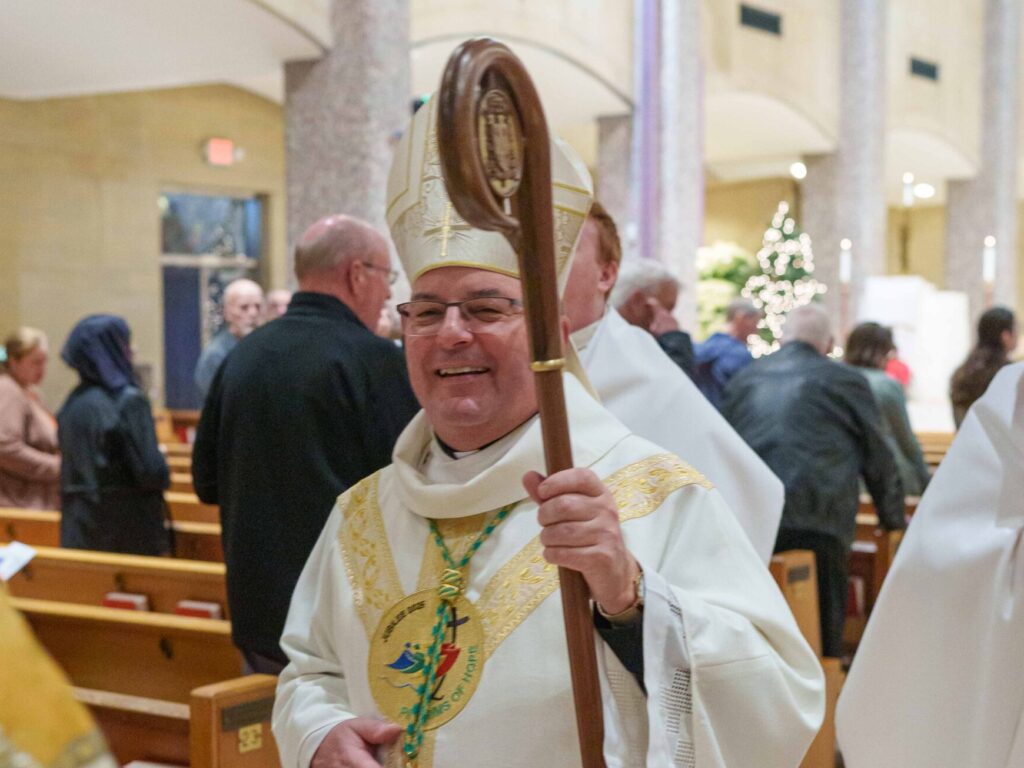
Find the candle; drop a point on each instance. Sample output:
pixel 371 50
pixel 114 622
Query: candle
pixel 988 261
pixel 908 189
pixel 845 261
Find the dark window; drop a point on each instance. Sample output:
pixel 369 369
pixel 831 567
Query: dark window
pixel 922 68
pixel 756 18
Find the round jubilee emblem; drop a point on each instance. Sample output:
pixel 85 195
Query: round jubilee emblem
pixel 398 655
pixel 501 140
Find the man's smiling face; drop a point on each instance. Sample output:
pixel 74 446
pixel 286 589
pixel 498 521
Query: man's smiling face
pixel 474 387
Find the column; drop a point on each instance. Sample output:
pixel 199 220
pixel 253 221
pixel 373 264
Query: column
pixel 669 142
pixel 342 113
pixel 987 204
pixel 843 195
pixel 614 140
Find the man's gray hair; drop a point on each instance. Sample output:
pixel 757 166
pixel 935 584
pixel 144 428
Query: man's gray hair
pixel 741 308
pixel 810 324
pixel 644 275
pixel 331 241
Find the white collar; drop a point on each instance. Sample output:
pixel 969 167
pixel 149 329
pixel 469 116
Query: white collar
pixel 432 484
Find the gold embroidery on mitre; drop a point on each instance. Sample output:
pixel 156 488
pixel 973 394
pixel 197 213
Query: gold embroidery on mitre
pixel 429 233
pixel 526 580
pixel 371 570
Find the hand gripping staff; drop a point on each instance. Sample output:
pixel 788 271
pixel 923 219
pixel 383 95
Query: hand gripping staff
pixel 496 159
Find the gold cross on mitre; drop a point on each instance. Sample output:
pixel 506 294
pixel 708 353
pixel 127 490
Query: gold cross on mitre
pixel 446 228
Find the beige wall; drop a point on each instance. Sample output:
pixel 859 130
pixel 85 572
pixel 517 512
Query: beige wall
pixel 800 69
pixel 949 33
pixel 926 242
pixel 926 247
pixel 740 213
pixel 79 184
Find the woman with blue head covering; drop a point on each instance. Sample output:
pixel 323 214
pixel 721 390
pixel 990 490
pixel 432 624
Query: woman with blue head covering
pixel 113 474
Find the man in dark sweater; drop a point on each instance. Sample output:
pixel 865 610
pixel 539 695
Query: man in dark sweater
pixel 816 424
pixel 301 410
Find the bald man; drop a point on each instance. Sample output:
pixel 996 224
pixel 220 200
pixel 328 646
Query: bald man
pixel 277 304
pixel 815 423
pixel 243 305
pixel 305 407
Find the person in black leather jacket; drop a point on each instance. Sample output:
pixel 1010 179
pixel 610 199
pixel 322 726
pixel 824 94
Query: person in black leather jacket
pixel 815 423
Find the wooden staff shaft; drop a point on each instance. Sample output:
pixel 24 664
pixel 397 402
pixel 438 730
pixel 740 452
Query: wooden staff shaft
pixel 485 70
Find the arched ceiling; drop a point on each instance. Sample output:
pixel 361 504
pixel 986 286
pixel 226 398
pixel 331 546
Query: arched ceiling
pixel 53 48
pixel 572 97
pixel 751 135
pixel 579 54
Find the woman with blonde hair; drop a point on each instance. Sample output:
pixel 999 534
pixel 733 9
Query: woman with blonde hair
pixel 29 454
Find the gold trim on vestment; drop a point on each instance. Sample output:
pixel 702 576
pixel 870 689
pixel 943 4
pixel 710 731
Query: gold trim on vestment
pixel 515 591
pixel 521 584
pixel 364 549
pixel 526 580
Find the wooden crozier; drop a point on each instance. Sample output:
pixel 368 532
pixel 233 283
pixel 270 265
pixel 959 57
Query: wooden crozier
pixel 496 160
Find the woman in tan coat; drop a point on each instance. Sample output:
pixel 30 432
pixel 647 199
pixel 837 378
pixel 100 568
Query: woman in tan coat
pixel 29 457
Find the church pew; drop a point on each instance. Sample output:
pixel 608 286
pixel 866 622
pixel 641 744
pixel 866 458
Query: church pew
pixel 82 576
pixel 41 528
pixel 197 541
pixel 31 526
pixel 178 449
pixel 188 507
pixel 163 426
pixel 871 557
pixel 230 724
pixel 934 446
pixel 181 464
pixel 224 725
pixel 181 482
pixel 794 572
pixel 153 655
pixel 822 752
pixel 140 728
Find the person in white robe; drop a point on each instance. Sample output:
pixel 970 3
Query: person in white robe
pixel 642 387
pixel 727 679
pixel 938 679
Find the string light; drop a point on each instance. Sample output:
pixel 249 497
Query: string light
pixel 786 279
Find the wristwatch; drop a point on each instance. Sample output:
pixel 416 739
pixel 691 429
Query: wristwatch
pixel 629 614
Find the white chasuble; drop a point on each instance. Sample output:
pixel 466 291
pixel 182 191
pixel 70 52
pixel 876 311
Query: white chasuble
pixel 646 391
pixel 729 679
pixel 938 679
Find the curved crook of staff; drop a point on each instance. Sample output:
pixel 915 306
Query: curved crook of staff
pixel 496 159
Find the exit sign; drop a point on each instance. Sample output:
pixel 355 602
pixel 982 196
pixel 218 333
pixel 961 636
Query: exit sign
pixel 219 151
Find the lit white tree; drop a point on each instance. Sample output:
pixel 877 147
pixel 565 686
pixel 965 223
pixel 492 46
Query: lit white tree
pixel 784 281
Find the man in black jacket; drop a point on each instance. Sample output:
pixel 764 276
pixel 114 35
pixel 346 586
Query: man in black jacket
pixel 302 409
pixel 816 424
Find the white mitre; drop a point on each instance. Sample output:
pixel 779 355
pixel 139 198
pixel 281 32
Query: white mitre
pixel 428 231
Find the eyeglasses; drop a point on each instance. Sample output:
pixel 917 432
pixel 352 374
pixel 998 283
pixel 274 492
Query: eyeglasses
pixel 391 273
pixel 487 314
